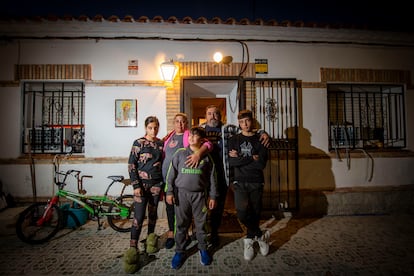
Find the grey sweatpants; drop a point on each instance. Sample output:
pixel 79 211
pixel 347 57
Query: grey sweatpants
pixel 191 204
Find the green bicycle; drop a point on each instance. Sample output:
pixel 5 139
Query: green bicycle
pixel 39 222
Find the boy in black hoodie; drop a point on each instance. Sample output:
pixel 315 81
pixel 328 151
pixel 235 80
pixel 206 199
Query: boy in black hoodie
pixel 248 157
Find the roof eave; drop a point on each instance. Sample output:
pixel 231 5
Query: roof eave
pixel 61 29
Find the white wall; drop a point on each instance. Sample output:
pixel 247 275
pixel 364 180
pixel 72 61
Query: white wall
pixel 109 58
pixel 102 138
pixel 17 178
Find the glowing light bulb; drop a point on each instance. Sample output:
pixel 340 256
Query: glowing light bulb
pixel 218 57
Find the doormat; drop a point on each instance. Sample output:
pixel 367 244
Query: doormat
pixel 230 224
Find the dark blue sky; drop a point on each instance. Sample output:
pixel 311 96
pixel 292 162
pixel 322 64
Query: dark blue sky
pixel 391 15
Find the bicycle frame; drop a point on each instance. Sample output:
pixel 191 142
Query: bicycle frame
pixel 101 200
pixel 80 197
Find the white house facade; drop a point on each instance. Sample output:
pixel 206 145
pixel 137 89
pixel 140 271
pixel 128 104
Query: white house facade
pixel 120 59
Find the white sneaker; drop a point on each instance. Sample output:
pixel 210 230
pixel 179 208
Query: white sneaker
pixel 248 249
pixel 264 243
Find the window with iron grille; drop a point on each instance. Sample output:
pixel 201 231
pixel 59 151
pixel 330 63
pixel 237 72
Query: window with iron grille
pixel 53 117
pixel 366 116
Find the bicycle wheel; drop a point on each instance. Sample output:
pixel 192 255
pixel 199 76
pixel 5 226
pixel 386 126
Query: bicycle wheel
pixel 28 226
pixel 117 222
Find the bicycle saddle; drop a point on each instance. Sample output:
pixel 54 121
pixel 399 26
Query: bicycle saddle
pixel 117 178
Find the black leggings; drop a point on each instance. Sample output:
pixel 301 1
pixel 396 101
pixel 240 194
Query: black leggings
pixel 169 208
pixel 140 204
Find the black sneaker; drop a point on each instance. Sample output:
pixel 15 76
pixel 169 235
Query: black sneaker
pixel 169 243
pixel 214 240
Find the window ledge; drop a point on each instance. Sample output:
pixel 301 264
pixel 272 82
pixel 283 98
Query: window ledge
pixel 383 153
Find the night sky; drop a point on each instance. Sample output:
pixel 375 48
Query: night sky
pixel 393 15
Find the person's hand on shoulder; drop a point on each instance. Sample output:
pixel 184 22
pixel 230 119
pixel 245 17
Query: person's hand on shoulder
pixel 193 160
pixel 265 139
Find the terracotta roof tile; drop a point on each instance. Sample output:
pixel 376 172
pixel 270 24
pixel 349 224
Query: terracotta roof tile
pixel 201 20
pixel 187 20
pixel 98 18
pixel 158 19
pixel 286 23
pixel 83 18
pixel 272 22
pixel 245 21
pixel 259 22
pixel 113 18
pixel 230 21
pixel 143 19
pixel 128 18
pixel 216 20
pixel 172 19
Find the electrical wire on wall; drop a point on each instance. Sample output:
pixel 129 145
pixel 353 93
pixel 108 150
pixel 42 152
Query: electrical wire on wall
pixel 244 64
pixel 245 60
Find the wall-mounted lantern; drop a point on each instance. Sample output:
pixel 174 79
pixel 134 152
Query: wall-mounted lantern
pixel 168 70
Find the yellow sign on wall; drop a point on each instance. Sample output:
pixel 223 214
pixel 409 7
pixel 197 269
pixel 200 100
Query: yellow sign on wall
pixel 261 66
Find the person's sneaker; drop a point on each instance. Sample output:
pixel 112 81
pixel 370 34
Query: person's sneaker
pixel 248 249
pixel 177 260
pixel 169 243
pixel 205 258
pixel 264 243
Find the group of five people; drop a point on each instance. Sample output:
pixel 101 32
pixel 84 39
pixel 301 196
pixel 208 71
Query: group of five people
pixel 190 167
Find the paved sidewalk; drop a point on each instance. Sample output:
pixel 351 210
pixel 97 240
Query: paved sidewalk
pixel 332 245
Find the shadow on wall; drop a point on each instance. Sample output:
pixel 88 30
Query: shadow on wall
pixel 315 176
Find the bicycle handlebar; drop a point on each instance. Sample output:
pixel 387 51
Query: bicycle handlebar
pixel 76 174
pixel 74 171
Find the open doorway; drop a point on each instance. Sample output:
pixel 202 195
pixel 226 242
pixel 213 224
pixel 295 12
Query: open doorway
pixel 198 93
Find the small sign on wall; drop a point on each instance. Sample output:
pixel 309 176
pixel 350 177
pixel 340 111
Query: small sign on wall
pixel 133 67
pixel 261 66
